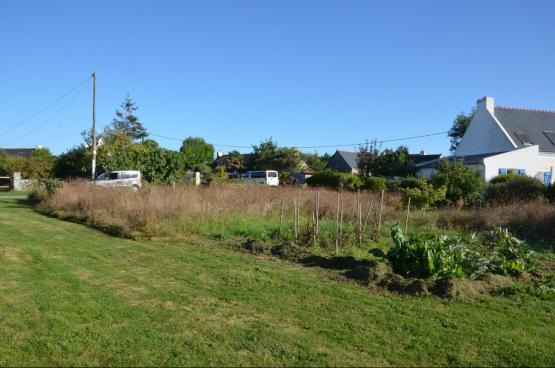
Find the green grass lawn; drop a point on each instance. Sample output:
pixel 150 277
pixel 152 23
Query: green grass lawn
pixel 12 193
pixel 71 295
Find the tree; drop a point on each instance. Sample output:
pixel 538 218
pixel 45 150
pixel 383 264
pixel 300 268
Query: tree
pixel 314 161
pixel 235 162
pixel 268 156
pixel 127 123
pixel 196 152
pixel 367 159
pixel 464 185
pixel 40 164
pixel 460 124
pixel 75 163
pixel 389 162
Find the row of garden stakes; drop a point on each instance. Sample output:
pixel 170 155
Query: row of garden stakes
pixel 360 226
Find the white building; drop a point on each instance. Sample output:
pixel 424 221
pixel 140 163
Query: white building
pixel 501 140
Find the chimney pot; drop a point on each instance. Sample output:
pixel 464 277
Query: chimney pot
pixel 486 103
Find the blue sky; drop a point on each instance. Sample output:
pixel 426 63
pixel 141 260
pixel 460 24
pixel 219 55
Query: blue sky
pixel 306 73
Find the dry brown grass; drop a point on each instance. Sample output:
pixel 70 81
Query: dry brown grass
pixel 532 220
pixel 150 210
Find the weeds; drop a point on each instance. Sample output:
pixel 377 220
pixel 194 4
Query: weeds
pixel 425 255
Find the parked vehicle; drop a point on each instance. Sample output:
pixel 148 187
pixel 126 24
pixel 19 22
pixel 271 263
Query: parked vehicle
pixel 127 178
pixel 267 177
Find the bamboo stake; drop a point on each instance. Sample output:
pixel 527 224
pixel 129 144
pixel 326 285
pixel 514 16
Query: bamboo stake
pixel 337 225
pixel 317 229
pixel 281 215
pixel 313 228
pixel 296 218
pixel 407 220
pixel 341 221
pixel 368 214
pixel 381 212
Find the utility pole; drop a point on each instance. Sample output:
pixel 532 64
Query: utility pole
pixel 94 127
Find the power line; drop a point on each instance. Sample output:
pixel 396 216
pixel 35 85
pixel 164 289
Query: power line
pixel 322 146
pixel 64 106
pixel 45 107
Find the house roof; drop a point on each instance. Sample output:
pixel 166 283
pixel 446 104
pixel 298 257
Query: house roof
pixel 351 158
pixel 467 160
pixel 533 123
pixel 20 152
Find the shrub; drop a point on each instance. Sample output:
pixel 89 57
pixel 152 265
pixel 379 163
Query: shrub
pixel 550 193
pixel 335 180
pixel 463 184
pixel 325 178
pixel 44 189
pixel 509 253
pixel 423 194
pixel 409 183
pixel 374 184
pixel 351 182
pixel 512 188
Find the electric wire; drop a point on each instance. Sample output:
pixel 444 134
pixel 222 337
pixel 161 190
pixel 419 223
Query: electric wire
pixel 45 107
pixel 321 146
pixel 64 106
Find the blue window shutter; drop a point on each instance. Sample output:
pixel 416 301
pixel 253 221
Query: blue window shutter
pixel 521 172
pixel 502 171
pixel 547 178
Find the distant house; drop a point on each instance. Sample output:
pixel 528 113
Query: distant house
pixel 501 140
pixel 347 161
pixel 18 152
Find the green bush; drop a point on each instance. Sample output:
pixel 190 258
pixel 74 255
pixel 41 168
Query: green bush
pixel 325 178
pixel 550 193
pixel 411 182
pixel 464 185
pixel 335 180
pixel 374 184
pixel 351 182
pixel 511 188
pixel 423 194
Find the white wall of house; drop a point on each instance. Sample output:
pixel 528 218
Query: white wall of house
pixel 528 159
pixel 484 134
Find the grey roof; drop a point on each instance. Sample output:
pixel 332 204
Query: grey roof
pixel 467 160
pixel 531 122
pixel 20 152
pixel 351 158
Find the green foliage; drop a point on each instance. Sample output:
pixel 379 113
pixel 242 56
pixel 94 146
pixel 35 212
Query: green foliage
pixel 374 184
pixel 386 163
pixel 550 193
pixel 543 289
pixel 75 163
pixel 464 185
pixel 509 254
pixel 422 193
pixel 196 152
pixel 460 124
pixel 326 178
pixel 38 166
pixel 425 255
pixel 235 162
pixel 127 123
pixel 335 180
pixel 513 188
pixel 314 161
pixel 269 156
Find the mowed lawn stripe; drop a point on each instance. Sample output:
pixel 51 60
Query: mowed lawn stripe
pixel 72 295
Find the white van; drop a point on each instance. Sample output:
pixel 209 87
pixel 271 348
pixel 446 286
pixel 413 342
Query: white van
pixel 127 178
pixel 268 177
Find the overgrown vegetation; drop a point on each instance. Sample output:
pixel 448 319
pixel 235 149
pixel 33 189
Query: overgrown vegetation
pixel 425 255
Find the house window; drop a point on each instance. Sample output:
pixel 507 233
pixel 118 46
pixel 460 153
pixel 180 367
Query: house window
pixel 524 139
pixel 502 171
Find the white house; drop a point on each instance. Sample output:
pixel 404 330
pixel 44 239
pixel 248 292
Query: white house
pixel 502 140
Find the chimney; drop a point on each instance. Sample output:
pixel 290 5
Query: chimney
pixel 486 103
pixel 422 153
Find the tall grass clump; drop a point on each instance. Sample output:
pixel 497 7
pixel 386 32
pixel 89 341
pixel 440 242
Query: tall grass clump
pixel 220 210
